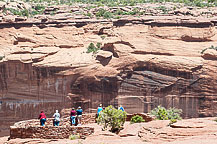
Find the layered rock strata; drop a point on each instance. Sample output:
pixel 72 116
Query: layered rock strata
pixel 143 62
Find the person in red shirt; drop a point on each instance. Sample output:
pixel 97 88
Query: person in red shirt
pixel 73 116
pixel 42 118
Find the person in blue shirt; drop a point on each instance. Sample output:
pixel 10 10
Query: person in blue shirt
pixel 99 109
pixel 121 108
pixel 79 115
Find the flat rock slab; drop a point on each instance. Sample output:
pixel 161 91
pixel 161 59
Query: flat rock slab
pixel 181 124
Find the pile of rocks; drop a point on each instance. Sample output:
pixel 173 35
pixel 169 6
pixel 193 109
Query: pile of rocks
pixel 32 128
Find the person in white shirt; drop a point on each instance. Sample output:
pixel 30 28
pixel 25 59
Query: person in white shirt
pixel 56 118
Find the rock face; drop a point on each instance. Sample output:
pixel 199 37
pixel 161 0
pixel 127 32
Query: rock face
pixel 184 131
pixel 143 62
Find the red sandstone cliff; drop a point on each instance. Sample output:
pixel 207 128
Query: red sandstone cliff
pixel 143 62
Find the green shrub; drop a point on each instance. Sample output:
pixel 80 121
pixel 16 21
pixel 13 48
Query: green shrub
pixel 92 48
pixel 113 118
pixel 162 113
pixel 100 12
pixel 137 119
pixel 103 13
pixel 24 12
pixel 103 37
pixel 73 137
pixel 174 113
pixel 1 57
pixel 98 45
pixel 172 121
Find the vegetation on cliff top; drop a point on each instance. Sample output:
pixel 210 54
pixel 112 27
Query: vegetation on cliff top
pixel 112 3
pixel 39 6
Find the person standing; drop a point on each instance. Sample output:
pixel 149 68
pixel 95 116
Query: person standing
pixel 73 116
pixel 56 118
pixel 42 118
pixel 121 108
pixel 79 115
pixel 99 109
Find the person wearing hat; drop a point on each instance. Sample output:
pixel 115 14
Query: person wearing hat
pixel 79 115
pixel 42 118
pixel 73 116
pixel 56 118
pixel 99 109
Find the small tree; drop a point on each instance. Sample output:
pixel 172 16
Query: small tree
pixel 92 48
pixel 112 117
pixel 162 113
pixel 137 119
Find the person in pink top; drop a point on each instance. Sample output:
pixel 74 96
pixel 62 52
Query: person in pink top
pixel 42 118
pixel 73 116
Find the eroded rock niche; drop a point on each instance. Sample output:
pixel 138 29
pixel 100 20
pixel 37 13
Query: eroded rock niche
pixel 25 90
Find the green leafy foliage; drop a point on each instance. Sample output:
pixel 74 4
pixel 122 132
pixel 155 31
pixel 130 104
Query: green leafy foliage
pixel 98 45
pixel 113 118
pixel 137 119
pixel 103 13
pixel 172 121
pixel 211 47
pixel 24 12
pixel 92 48
pixel 174 113
pixel 162 113
pixel 1 57
pixel 73 137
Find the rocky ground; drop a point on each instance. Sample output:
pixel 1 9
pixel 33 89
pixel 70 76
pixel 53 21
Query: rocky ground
pixel 190 131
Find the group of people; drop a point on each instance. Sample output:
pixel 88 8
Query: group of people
pixel 100 109
pixel 75 116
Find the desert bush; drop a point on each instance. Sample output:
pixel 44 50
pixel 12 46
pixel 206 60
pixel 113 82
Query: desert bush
pixel 113 118
pixel 172 121
pixel 174 114
pixel 137 119
pixel 162 113
pixel 73 137
pixel 92 48
pixel 1 57
pixel 24 12
pixel 103 13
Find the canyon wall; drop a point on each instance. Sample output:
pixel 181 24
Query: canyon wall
pixel 143 62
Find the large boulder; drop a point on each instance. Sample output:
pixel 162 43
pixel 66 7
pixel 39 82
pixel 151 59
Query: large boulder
pixel 210 54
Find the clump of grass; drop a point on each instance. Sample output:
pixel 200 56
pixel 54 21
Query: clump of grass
pixel 73 137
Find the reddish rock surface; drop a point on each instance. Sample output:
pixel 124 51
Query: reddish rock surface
pixel 154 132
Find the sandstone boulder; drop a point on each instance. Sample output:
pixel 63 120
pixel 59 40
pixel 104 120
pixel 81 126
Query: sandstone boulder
pixel 2 5
pixel 210 54
pixel 103 54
